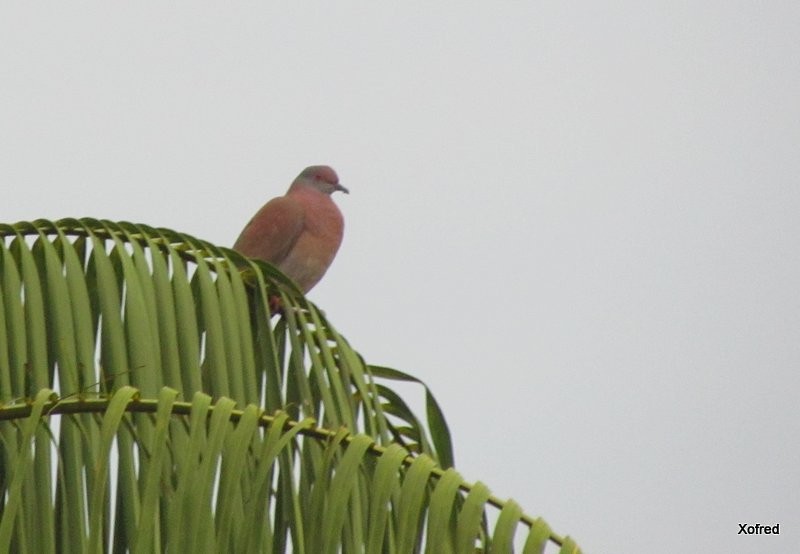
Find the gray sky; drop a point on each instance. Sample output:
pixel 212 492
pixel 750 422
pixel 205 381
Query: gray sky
pixel 577 222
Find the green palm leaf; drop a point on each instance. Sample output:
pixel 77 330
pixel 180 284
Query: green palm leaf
pixel 150 401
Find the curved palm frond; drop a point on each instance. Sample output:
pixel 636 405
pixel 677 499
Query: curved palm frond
pixel 211 474
pixel 161 309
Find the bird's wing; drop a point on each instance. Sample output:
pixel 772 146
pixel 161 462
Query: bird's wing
pixel 273 231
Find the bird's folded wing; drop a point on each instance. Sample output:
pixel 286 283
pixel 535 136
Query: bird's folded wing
pixel 273 231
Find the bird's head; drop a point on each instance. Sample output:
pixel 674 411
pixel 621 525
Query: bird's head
pixel 321 178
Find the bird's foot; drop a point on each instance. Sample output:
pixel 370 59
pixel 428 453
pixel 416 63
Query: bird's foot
pixel 275 305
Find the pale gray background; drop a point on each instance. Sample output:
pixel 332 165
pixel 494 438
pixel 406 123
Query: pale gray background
pixel 577 221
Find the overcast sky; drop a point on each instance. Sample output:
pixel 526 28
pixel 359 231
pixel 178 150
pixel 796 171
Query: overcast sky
pixel 578 222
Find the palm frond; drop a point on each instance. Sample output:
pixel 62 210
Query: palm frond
pixel 227 427
pixel 225 490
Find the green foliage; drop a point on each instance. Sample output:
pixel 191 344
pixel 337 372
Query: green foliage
pixel 151 400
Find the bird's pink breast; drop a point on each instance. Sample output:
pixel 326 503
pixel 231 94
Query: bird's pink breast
pixel 323 227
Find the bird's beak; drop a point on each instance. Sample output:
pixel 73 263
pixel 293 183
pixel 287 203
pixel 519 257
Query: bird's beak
pixel 337 186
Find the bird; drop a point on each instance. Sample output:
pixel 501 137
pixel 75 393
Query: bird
pixel 299 232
